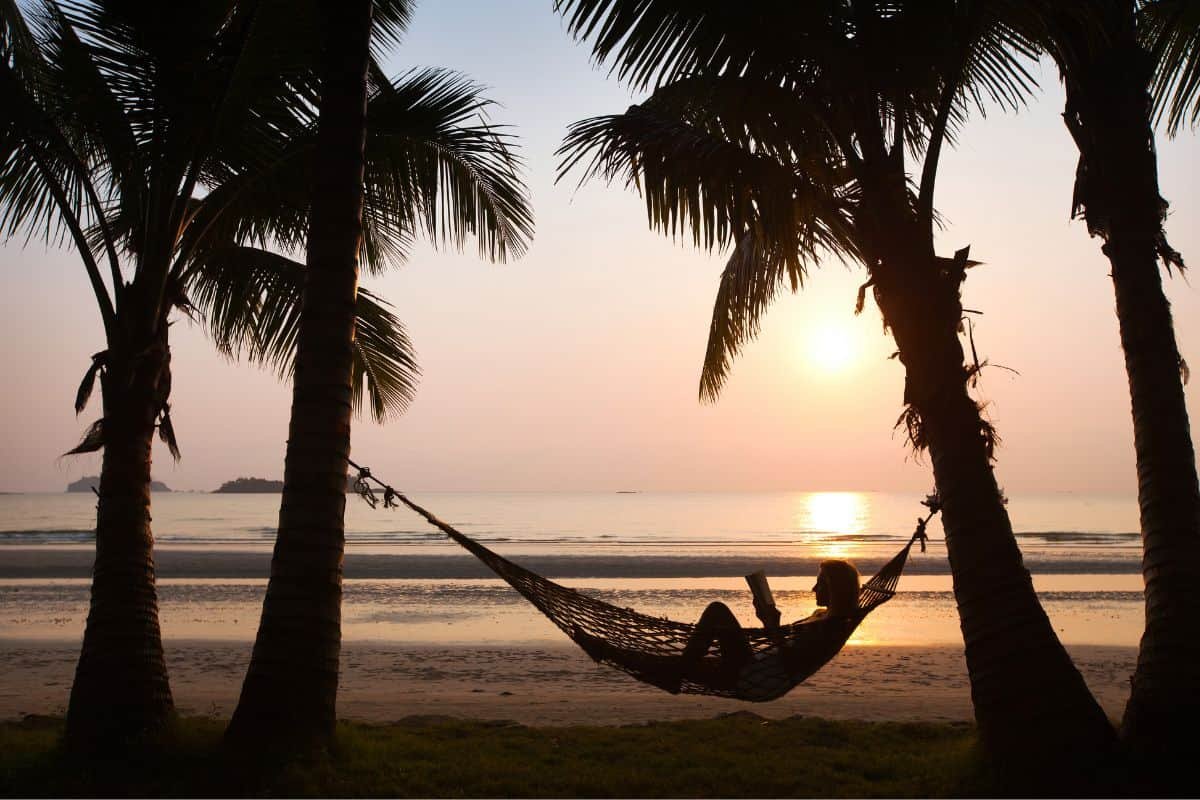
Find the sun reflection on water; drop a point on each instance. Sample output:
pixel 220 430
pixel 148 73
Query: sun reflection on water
pixel 834 518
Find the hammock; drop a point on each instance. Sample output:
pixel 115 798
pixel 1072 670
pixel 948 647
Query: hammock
pixel 650 648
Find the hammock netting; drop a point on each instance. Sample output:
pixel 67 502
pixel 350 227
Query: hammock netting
pixel 650 648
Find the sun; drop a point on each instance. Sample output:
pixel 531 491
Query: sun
pixel 832 347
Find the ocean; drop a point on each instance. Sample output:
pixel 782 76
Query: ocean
pixel 1080 527
pixel 663 553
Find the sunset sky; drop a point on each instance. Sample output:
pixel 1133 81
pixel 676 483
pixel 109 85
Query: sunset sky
pixel 576 367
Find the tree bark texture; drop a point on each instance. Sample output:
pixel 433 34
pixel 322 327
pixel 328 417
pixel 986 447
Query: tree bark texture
pixel 1108 113
pixel 1033 707
pixel 121 693
pixel 290 691
pixel 1165 698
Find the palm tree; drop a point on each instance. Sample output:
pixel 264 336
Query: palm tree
pixel 784 131
pixel 1108 68
pixel 172 157
pixel 456 187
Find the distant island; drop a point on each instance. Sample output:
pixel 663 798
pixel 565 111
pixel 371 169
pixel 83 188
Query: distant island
pixel 262 486
pixel 250 486
pixel 89 482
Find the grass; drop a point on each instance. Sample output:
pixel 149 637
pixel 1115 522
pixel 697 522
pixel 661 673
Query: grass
pixel 735 756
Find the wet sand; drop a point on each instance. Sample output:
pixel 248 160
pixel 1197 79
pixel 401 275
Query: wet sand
pixel 553 684
pixel 76 562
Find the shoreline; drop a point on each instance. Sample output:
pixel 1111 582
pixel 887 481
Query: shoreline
pixel 18 562
pixel 551 684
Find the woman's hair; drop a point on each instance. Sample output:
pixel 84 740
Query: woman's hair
pixel 842 578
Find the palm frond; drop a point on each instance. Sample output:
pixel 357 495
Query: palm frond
pixel 882 58
pixel 262 88
pixel 654 42
pixel 752 278
pixel 18 46
pixel 166 432
pixel 435 164
pixel 999 38
pixel 1170 29
pixel 390 19
pixel 385 364
pixel 784 123
pixel 45 185
pixel 92 440
pixel 262 206
pixel 36 164
pixel 89 381
pixel 699 183
pixel 734 162
pixel 167 109
pixel 251 300
pixel 433 167
pixel 89 112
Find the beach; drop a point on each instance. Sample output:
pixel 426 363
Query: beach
pixel 428 631
pixel 552 684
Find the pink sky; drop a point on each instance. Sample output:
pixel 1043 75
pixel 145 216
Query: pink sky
pixel 576 367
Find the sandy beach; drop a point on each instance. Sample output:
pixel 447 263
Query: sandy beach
pixel 437 635
pixel 551 685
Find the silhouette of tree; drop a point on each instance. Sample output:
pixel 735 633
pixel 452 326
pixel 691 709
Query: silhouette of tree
pixel 459 181
pixel 788 132
pixel 174 158
pixel 1108 62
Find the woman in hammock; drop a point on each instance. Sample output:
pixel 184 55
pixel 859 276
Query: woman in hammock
pixel 836 592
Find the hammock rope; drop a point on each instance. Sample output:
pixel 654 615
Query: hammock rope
pixel 650 648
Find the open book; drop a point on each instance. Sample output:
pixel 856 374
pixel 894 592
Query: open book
pixel 764 601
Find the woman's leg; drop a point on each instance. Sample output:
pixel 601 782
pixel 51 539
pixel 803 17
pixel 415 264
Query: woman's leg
pixel 718 623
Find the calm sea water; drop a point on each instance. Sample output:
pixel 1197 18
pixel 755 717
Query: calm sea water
pixel 822 524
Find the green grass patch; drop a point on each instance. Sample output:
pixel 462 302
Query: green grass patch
pixel 735 756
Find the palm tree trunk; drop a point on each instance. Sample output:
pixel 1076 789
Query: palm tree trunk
pixel 290 691
pixel 1032 706
pixel 121 693
pixel 1165 699
pixel 1109 115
